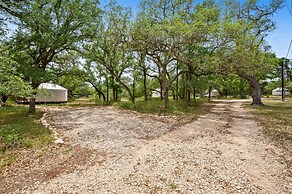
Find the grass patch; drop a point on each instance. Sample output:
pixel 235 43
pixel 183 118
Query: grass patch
pixel 19 129
pixel 180 108
pixel 173 186
pixel 82 102
pixel 276 118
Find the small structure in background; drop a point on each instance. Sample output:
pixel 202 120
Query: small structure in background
pixel 53 93
pixel 214 93
pixel 155 93
pixel 278 92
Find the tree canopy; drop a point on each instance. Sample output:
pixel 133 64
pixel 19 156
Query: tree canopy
pixel 169 46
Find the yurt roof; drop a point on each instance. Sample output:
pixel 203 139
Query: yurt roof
pixel 50 86
pixel 279 89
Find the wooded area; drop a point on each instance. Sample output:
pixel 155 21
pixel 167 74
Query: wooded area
pixel 179 48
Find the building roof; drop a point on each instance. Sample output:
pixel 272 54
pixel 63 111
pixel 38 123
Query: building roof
pixel 50 86
pixel 279 89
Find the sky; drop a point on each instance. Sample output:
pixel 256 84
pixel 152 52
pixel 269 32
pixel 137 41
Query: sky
pixel 279 39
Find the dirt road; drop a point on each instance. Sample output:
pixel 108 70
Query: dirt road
pixel 117 151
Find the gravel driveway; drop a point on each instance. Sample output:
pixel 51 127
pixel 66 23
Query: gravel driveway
pixel 117 151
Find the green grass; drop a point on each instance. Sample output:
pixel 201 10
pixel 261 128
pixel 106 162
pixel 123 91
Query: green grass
pixel 18 130
pixel 180 108
pixel 82 102
pixel 151 106
pixel 276 118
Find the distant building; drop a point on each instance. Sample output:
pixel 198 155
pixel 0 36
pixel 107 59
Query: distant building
pixel 214 93
pixel 53 93
pixel 155 93
pixel 278 92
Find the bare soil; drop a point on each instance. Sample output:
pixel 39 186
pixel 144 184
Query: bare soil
pixel 108 150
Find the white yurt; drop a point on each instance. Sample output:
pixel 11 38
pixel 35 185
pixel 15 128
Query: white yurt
pixel 155 93
pixel 278 92
pixel 52 93
pixel 214 93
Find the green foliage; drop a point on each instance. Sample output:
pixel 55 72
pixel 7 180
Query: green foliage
pixel 65 71
pixel 108 55
pixel 178 40
pixel 11 82
pixel 46 29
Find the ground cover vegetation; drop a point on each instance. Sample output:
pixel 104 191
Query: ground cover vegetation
pixel 18 130
pixel 276 119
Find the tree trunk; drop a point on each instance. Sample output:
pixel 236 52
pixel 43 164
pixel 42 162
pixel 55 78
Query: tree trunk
pixel 107 92
pixel 117 95
pixel 256 93
pixel 188 92
pixel 97 90
pixel 31 108
pixel 114 93
pixel 225 92
pixel 145 84
pixel 161 91
pixel 134 89
pixel 31 105
pixel 176 92
pixel 194 93
pixel 173 93
pixel 165 87
pixel 100 93
pixel 209 96
pixel 256 88
pixel 183 87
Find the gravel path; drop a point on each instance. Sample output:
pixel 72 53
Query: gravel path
pixel 223 151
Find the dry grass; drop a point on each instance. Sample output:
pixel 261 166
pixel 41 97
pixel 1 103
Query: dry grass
pixel 276 118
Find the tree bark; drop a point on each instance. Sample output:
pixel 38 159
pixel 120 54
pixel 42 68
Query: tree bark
pixel 177 84
pixel 145 83
pixel 97 90
pixel 117 95
pixel 31 108
pixel 31 105
pixel 165 86
pixel 107 90
pixel 194 89
pixel 256 88
pixel 134 89
pixel 209 95
pixel 188 90
pixel 161 90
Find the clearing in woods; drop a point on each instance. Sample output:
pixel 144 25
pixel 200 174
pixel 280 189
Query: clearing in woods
pixel 116 151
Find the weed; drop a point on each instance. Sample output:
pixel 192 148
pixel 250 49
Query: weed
pixel 173 186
